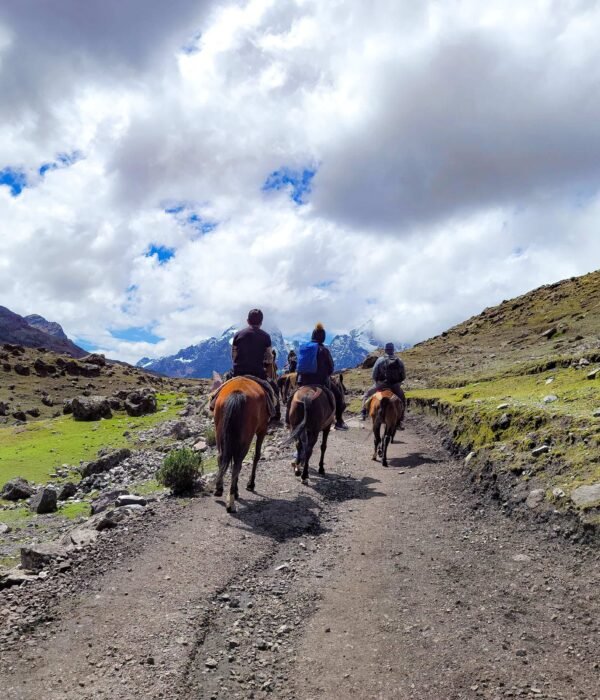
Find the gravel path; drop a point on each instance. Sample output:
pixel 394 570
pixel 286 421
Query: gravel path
pixel 368 583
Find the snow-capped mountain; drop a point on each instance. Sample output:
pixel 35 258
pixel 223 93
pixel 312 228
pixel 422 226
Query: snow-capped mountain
pixel 214 354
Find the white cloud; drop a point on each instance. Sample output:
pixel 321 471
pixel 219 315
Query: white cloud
pixel 457 147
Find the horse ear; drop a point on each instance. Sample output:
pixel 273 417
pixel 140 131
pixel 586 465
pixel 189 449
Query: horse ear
pixel 217 380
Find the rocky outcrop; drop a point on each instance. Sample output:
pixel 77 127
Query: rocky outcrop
pixel 105 462
pixel 90 408
pixel 17 490
pixel 140 403
pixel 44 501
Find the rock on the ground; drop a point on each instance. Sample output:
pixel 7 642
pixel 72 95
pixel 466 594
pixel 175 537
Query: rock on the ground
pixel 81 536
pixel 17 489
pixel 37 556
pixel 586 496
pixel 43 501
pixel 106 500
pixel 4 529
pixel 542 449
pixel 551 398
pixel 140 403
pixel 128 499
pixel 535 498
pixel 90 408
pixel 67 490
pixel 106 462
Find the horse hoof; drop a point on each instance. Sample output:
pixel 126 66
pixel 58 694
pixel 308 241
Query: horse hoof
pixel 250 487
pixel 218 493
pixel 297 472
pixel 321 470
pixel 305 482
pixel 374 458
pixel 384 464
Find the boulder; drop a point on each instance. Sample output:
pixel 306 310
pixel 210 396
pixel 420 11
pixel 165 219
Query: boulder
pixel 181 430
pixel 586 496
pixel 43 501
pixel 68 406
pixel 550 332
pixel 47 401
pixel 593 374
pixel 81 536
pixel 3 408
pixel 67 490
pixel 535 498
pixel 542 449
pixel 106 500
pixel 370 360
pixel 115 517
pixel 37 556
pixel 17 489
pixel 140 403
pixel 129 499
pixel 106 462
pixel 89 370
pixel 90 408
pixel 33 412
pixel 20 415
pixel 94 358
pixel 23 370
pixel 43 368
pixel 5 529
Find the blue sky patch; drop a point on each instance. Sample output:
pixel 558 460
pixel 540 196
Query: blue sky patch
pixel 186 216
pixel 201 225
pixel 297 182
pixel 63 160
pixel 136 334
pixel 14 179
pixel 163 253
pixel 325 284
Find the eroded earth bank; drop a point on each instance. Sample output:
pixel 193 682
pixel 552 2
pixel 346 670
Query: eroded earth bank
pixel 368 583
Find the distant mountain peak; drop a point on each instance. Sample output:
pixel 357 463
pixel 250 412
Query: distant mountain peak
pixel 35 331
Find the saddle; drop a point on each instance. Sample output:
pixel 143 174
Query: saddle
pixel 263 383
pixel 321 390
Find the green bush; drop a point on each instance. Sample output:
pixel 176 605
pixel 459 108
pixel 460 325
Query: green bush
pixel 179 470
pixel 210 437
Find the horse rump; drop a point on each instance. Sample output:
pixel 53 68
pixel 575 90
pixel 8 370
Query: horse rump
pixel 231 447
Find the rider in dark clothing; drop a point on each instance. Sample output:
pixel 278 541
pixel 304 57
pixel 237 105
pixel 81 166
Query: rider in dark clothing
pixel 250 347
pixel 292 361
pixel 323 374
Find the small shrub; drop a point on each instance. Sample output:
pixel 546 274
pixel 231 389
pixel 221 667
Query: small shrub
pixel 179 470
pixel 210 437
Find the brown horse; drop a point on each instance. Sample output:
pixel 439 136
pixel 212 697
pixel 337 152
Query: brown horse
pixel 240 413
pixel 310 413
pixel 288 383
pixel 385 409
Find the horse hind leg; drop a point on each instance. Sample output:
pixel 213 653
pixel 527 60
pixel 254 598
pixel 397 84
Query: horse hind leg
pixel 323 448
pixel 386 442
pixel 250 486
pixel 296 464
pixel 220 475
pixel 376 439
pixel 233 488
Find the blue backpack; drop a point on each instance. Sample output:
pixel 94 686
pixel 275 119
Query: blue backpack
pixel 307 358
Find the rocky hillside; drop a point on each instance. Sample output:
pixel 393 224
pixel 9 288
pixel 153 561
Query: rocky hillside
pixel 35 331
pixel 214 354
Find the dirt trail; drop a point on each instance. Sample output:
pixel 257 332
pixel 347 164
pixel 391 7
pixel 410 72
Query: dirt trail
pixel 368 583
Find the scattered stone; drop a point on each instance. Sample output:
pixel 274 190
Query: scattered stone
pixel 106 500
pixel 23 370
pixel 535 498
pixel 20 415
pixel 593 374
pixel 43 501
pixel 549 380
pixel 521 557
pixel 550 332
pixel 115 517
pixel 550 398
pixel 89 408
pixel 68 406
pixel 502 406
pixel 17 489
pixel 15 577
pixel 201 446
pixel 140 403
pixel 469 457
pixel 37 556
pixel 81 536
pixel 558 493
pixel 586 496
pixel 106 462
pixel 211 663
pixel 5 529
pixel 94 359
pixel 128 499
pixel 542 449
pixel 47 401
pixel 67 490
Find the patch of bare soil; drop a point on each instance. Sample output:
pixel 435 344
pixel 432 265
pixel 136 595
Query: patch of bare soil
pixel 368 583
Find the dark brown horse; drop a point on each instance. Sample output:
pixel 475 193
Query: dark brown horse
pixel 240 413
pixel 311 412
pixel 385 409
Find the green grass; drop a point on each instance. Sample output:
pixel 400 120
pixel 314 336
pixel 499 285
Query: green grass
pixel 74 510
pixel 14 515
pixel 33 451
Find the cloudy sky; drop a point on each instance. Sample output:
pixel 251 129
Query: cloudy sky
pixel 166 166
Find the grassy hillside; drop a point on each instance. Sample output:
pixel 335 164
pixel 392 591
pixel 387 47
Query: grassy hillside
pixel 516 387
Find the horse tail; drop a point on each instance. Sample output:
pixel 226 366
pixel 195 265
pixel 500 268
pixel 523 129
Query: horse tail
pixel 382 409
pixel 230 444
pixel 306 402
